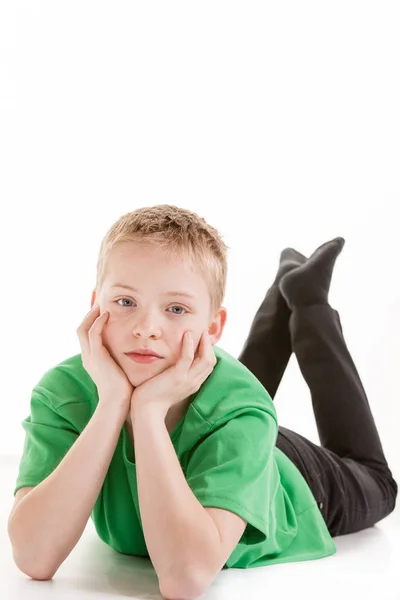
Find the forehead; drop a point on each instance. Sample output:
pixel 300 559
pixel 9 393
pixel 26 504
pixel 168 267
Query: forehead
pixel 137 264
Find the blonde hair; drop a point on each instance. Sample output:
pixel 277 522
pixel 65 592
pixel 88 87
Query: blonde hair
pixel 179 232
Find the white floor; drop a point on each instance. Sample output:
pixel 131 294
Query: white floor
pixel 365 567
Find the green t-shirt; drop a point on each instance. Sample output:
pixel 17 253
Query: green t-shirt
pixel 225 444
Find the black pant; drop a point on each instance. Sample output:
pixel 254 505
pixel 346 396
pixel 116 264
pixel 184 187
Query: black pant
pixel 348 474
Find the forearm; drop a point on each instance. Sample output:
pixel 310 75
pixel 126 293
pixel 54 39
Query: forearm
pixel 48 522
pixel 178 531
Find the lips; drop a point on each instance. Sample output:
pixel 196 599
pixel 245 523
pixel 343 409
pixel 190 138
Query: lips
pixel 143 352
pixel 145 359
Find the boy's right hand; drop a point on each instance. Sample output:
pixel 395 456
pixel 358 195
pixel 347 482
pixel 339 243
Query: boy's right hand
pixel 113 386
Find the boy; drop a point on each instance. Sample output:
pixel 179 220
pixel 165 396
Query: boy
pixel 171 445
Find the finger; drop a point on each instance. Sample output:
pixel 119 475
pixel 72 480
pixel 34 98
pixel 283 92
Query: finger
pixel 189 347
pixel 92 337
pixel 209 350
pixel 96 331
pixel 82 330
pixel 90 318
pixel 187 353
pixel 205 363
pixel 205 360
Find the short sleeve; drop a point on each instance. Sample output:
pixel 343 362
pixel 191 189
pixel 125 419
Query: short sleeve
pixel 48 438
pixel 233 468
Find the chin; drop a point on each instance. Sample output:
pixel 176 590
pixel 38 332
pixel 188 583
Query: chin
pixel 141 373
pixel 139 379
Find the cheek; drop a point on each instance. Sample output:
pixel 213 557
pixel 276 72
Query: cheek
pixel 173 342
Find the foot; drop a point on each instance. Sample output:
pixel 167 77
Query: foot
pixel 309 283
pixel 289 259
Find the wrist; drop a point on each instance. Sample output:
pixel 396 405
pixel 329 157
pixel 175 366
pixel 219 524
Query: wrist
pixel 147 409
pixel 112 413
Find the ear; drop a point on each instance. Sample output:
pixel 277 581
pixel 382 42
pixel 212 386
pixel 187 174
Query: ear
pixel 216 328
pixel 93 299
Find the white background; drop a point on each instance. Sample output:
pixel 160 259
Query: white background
pixel 277 122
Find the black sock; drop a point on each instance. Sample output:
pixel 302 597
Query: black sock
pixel 289 260
pixel 309 283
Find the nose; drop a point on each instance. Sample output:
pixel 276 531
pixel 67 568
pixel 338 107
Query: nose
pixel 146 326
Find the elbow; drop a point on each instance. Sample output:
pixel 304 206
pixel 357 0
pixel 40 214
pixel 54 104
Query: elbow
pixel 35 572
pixel 30 565
pixel 187 586
pixel 39 576
pixel 32 569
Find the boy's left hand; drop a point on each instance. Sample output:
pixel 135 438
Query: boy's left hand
pixel 179 381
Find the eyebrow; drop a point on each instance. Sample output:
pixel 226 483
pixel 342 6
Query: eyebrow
pixel 177 293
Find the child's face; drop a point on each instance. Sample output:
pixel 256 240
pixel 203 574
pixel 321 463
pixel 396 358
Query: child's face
pixel 153 317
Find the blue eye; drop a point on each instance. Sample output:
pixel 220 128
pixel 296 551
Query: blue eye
pixel 180 308
pixel 123 299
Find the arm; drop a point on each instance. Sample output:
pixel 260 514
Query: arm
pixel 181 537
pixel 47 523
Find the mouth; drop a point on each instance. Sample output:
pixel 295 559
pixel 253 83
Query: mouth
pixel 144 357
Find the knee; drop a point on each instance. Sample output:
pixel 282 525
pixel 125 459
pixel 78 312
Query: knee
pixel 390 485
pixel 392 490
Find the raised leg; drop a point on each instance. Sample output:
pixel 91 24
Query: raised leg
pixel 267 349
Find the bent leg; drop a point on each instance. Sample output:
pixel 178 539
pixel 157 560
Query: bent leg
pixel 350 495
pixel 348 473
pixel 353 468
